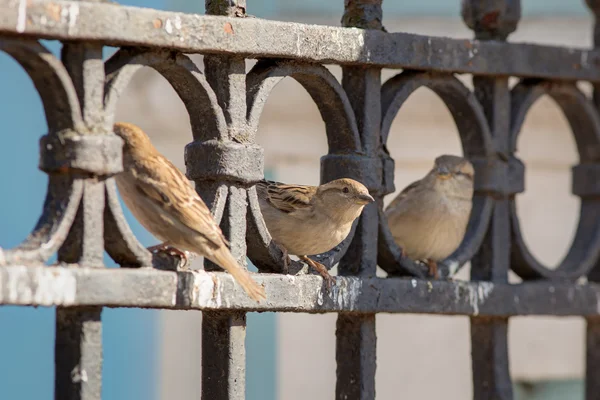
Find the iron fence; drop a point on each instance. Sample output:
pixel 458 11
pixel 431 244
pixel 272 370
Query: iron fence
pixel 82 216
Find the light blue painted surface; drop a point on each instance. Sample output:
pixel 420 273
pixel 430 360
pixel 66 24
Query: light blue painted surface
pixel 550 390
pixel 27 334
pixel 261 350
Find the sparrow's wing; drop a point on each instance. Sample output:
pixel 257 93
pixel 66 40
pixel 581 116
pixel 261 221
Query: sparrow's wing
pixel 286 198
pixel 172 192
pixel 403 195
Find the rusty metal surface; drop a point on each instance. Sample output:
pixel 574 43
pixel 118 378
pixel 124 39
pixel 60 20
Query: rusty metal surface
pixel 82 216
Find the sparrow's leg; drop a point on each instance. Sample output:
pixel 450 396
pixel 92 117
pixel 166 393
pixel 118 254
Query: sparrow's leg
pixel 330 280
pixel 433 270
pixel 285 257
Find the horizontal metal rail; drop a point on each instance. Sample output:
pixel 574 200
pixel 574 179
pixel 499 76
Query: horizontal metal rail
pixel 214 291
pixel 116 25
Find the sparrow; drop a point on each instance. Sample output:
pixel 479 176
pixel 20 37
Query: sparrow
pixel 428 219
pixel 307 220
pixel 163 200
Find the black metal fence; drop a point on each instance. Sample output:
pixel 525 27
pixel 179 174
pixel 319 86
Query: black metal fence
pixel 82 216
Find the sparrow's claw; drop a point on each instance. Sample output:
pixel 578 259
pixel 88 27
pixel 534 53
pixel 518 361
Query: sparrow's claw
pixel 329 280
pixel 433 270
pixel 172 251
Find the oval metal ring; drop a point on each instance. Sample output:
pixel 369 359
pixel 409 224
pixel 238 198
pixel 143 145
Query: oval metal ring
pixel 61 106
pixel 477 144
pixel 327 93
pixel 342 136
pixel 585 125
pixel 206 117
pixel 51 80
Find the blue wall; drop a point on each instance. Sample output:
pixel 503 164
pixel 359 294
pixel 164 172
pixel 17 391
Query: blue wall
pixel 27 334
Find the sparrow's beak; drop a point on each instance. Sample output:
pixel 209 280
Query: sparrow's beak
pixel 364 199
pixel 443 173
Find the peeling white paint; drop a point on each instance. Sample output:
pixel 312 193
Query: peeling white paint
pixel 78 375
pixel 168 26
pixel 319 296
pixel 44 286
pixel 478 295
pixel 22 16
pixel 298 41
pixel 453 267
pixel 73 13
pixel 55 286
pixel 203 290
pixel 347 293
pixel 17 287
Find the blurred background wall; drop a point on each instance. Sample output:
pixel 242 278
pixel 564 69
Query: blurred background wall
pixel 155 355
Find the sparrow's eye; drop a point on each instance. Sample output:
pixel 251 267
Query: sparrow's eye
pixel 345 190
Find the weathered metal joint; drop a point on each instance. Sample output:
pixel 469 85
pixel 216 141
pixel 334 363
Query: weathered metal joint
pixel 586 180
pixel 499 178
pixel 366 170
pixel 494 19
pixel 388 166
pixel 69 151
pixel 215 160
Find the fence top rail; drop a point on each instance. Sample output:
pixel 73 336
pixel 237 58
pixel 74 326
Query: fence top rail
pixel 117 25
pixel 200 290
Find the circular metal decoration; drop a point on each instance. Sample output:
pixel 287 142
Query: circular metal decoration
pixel 63 114
pixel 585 125
pixel 477 146
pixel 206 117
pixel 345 156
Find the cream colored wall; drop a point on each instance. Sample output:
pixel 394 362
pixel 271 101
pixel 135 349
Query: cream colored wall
pixel 424 356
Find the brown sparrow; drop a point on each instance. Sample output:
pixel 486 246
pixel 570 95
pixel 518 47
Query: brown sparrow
pixel 308 220
pixel 165 203
pixel 428 219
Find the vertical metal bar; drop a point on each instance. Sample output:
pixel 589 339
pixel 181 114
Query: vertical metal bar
pixel 592 359
pixel 495 20
pixel 78 347
pixel 592 349
pixel 489 347
pixel 78 354
pixel 223 355
pixel 224 334
pixel 356 339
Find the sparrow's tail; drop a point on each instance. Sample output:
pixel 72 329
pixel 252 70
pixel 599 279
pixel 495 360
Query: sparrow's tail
pixel 225 260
